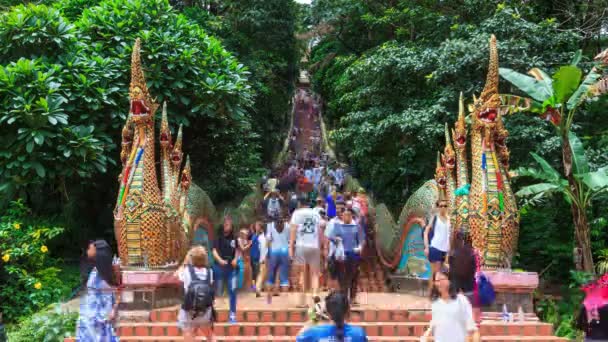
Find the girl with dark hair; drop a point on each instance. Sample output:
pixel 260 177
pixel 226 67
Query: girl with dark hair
pixel 463 266
pixel 98 306
pixel 337 306
pixel 452 317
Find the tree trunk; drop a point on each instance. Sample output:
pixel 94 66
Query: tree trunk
pixel 579 215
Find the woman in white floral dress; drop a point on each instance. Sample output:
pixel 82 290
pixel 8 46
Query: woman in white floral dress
pixel 99 304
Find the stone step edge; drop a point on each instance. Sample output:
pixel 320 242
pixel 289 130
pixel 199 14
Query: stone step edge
pixel 263 324
pixel 290 338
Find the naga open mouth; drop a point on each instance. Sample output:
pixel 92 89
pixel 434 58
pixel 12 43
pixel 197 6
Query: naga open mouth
pixel 450 162
pixel 441 182
pixel 164 139
pixel 139 111
pixel 461 140
pixel 176 158
pixel 488 116
pixel 185 181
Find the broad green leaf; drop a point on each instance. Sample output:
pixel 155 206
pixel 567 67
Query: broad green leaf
pixel 596 181
pixel 39 139
pixel 577 57
pixel 529 85
pixel 39 169
pixel 565 82
pixel 544 79
pixel 538 189
pixel 29 147
pixel 580 164
pixel 582 91
pixel 549 172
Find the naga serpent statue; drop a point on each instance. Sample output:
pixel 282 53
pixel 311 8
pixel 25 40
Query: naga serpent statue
pixel 485 208
pixel 154 226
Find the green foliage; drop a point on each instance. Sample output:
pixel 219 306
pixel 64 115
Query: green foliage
pixel 63 93
pixel 30 278
pixel 389 102
pixel 590 183
pixel 34 30
pixel 563 314
pixel 50 325
pixel 262 35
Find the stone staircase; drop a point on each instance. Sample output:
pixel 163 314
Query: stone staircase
pixel 284 324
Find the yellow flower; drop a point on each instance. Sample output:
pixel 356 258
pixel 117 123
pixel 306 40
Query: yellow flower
pixel 6 257
pixel 17 225
pixel 38 286
pixel 44 249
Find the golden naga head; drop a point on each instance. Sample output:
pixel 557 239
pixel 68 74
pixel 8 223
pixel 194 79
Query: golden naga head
pixel 459 133
pixel 142 106
pixel 177 154
pixel 165 132
pixel 449 156
pixel 440 173
pixel 186 178
pixel 486 107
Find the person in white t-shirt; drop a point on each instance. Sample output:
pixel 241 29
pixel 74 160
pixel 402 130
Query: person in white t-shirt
pixel 198 259
pixel 452 315
pixel 305 245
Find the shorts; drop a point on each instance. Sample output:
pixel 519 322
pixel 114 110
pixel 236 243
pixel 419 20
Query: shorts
pixel 185 321
pixel 436 255
pixel 308 256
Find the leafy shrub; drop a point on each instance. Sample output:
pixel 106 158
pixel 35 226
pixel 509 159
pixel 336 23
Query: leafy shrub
pixel 34 30
pixel 50 325
pixel 563 314
pixel 62 105
pixel 30 278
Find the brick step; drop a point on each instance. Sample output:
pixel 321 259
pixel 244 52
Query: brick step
pixel 300 315
pixel 292 328
pixel 290 338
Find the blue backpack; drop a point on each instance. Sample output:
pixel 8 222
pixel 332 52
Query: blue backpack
pixel 485 290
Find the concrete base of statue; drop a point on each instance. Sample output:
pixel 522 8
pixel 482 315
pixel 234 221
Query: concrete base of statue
pixel 150 289
pixel 513 289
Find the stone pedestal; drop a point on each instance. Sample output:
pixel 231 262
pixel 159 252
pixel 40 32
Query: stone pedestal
pixel 150 289
pixel 513 289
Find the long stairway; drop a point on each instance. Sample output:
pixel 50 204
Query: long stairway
pixel 384 316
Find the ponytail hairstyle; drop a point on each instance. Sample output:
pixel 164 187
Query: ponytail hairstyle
pixel 337 307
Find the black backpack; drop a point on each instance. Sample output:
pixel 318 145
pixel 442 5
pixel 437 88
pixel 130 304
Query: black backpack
pixel 432 230
pixel 200 294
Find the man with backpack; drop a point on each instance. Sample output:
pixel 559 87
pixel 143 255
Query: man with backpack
pixel 224 253
pixel 197 310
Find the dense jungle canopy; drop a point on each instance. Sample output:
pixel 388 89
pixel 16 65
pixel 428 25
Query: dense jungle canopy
pixel 389 73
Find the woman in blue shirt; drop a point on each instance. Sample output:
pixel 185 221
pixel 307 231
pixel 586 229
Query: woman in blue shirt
pixel 337 308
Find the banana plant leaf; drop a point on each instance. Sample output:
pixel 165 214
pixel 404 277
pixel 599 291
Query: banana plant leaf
pixel 550 173
pixel 565 82
pixel 596 181
pixel 540 189
pixel 583 90
pixel 538 90
pixel 579 159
